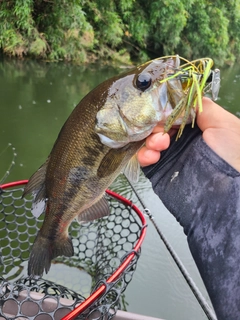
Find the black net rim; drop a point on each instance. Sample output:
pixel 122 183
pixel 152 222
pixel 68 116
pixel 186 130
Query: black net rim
pixel 98 293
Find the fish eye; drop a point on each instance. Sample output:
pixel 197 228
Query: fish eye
pixel 143 81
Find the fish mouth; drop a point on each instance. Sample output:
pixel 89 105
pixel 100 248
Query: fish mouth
pixel 135 128
pixel 131 134
pixel 132 126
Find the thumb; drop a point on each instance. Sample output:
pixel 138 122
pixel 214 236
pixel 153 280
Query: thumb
pixel 221 132
pixel 214 116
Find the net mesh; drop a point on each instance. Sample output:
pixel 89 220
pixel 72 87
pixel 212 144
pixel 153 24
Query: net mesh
pixel 100 248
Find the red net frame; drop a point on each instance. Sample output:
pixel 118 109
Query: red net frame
pixel 99 292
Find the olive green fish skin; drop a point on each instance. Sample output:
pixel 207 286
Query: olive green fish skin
pixel 80 167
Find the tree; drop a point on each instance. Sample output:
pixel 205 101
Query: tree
pixel 85 30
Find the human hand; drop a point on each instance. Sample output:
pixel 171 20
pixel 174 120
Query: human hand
pixel 221 132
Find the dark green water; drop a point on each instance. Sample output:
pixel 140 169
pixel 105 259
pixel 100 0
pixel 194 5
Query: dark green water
pixel 35 100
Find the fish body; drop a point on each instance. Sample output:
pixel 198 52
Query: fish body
pixel 96 143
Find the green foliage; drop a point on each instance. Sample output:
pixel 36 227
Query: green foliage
pixel 162 14
pixel 206 33
pixel 83 30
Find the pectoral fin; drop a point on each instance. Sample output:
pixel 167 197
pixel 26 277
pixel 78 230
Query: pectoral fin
pixel 98 210
pixel 132 169
pixel 111 162
pixel 115 158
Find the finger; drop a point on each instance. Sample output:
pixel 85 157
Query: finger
pixel 150 153
pixel 147 157
pixel 214 116
pixel 221 132
pixel 158 128
pixel 158 141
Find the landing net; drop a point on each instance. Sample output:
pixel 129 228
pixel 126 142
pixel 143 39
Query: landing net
pixel 89 285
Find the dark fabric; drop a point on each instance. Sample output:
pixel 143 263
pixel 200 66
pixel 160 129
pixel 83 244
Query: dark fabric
pixel 203 192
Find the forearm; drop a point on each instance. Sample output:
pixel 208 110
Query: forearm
pixel 203 192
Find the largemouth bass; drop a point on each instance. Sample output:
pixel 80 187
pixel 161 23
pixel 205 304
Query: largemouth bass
pixel 96 143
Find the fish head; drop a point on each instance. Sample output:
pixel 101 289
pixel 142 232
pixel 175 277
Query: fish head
pixel 135 103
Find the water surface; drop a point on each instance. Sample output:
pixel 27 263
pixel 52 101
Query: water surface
pixel 36 99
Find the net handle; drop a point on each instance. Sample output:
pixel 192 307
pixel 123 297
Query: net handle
pixel 101 290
